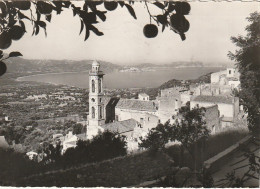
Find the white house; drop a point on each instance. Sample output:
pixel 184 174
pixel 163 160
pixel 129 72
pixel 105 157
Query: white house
pixel 143 96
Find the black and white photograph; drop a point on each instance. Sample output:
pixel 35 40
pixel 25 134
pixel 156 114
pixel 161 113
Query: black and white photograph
pixel 130 93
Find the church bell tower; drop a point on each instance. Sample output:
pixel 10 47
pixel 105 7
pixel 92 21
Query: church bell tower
pixel 96 105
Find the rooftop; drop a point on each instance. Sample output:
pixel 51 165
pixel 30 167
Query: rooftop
pixel 134 104
pixel 121 126
pixel 215 99
pixel 144 95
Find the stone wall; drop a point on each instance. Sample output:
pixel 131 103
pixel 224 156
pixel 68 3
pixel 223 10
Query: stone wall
pixel 226 110
pixel 212 119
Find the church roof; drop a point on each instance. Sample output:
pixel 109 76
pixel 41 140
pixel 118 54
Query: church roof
pixel 134 104
pixel 214 99
pixel 120 126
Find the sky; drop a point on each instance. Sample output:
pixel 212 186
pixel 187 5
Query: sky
pixel 208 39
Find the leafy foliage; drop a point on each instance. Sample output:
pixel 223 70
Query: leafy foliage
pixel 104 146
pixel 248 64
pixel 13 15
pixel 189 128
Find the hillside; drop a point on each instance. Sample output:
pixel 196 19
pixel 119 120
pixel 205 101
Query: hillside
pixel 118 172
pixel 175 82
pixel 21 65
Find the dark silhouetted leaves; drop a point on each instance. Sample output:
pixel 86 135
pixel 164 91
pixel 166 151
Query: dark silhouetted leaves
pixel 3 68
pixel 163 27
pixel 95 30
pixel 15 54
pixel 121 3
pixel 183 37
pixel 90 18
pixel 86 34
pixel 22 16
pixel 162 19
pixel 22 25
pixel 171 7
pixel 22 5
pixel 101 15
pixel 3 9
pixel 5 40
pixel 180 23
pixel 48 17
pixel 131 10
pixel 81 26
pixel 42 24
pixel 85 7
pixel 158 4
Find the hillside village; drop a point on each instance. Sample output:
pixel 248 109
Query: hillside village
pixel 133 118
pixel 55 112
pixel 125 114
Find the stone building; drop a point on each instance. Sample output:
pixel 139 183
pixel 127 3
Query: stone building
pixel 170 100
pixel 228 106
pixel 134 109
pixel 212 118
pixel 143 96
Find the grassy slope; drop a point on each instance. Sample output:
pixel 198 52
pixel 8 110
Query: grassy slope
pixel 125 171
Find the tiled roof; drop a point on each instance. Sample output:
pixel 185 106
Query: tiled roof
pixel 143 94
pixel 134 104
pixel 214 99
pixel 121 126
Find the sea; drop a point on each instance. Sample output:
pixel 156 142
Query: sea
pixel 121 80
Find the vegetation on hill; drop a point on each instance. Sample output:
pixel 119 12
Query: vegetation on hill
pixel 175 82
pixel 248 63
pixel 16 165
pixel 189 129
pixel 124 171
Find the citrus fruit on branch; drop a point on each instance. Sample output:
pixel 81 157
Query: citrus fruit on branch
pixel 110 5
pixel 16 32
pixel 150 30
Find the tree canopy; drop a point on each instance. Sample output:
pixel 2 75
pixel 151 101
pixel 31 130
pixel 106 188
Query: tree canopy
pixel 188 128
pixel 13 15
pixel 248 63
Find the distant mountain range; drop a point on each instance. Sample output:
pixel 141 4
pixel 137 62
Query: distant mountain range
pixel 21 65
pixel 34 66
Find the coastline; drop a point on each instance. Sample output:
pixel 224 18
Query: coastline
pixel 55 73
